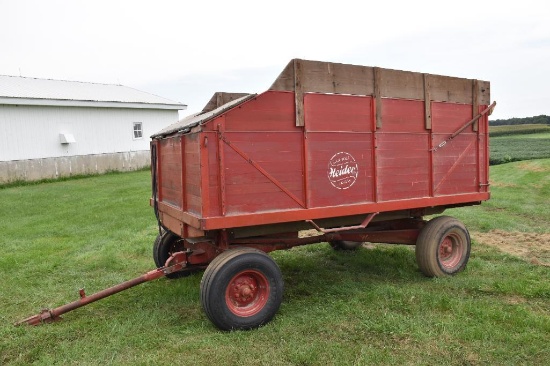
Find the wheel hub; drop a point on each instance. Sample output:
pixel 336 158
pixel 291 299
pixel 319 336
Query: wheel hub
pixel 247 293
pixel 450 251
pixel 244 290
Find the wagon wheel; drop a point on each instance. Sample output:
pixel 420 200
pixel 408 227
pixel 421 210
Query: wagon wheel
pixel 241 289
pixel 165 245
pixel 345 244
pixel 443 247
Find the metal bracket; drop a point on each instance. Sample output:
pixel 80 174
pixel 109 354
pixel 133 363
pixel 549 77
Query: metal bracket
pixel 345 228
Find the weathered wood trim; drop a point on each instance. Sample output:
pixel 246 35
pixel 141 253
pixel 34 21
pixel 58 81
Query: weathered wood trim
pixel 303 76
pixel 402 84
pixel 285 80
pixel 221 98
pixel 427 102
pixel 484 92
pixel 299 93
pixel 377 96
pixel 475 103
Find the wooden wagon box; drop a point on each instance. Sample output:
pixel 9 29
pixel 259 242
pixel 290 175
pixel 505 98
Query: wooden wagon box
pixel 325 141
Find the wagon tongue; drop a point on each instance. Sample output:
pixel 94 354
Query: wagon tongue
pixel 177 262
pixel 45 316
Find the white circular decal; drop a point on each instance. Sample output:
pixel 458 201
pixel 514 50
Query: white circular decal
pixel 342 170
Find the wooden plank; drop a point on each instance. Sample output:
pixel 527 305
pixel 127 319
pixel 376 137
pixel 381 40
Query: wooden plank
pixel 402 165
pixel 269 111
pixel 484 92
pixel 221 167
pixel 221 98
pixel 427 103
pixel 333 112
pixel 403 115
pixel 401 84
pixel 285 80
pixel 327 77
pixel 377 96
pixel 475 103
pixel 450 89
pixel 298 93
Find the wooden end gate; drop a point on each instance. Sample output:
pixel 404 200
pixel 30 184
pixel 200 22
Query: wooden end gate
pixel 360 154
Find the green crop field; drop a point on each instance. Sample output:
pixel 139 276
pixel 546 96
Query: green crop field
pixel 496 131
pixel 372 306
pixel 519 142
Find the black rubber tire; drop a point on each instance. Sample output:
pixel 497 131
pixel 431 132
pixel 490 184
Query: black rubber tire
pixel 164 246
pixel 221 276
pixel 345 244
pixel 443 247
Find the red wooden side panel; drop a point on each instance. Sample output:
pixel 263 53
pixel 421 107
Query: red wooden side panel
pixel 455 169
pixel 455 166
pixel 192 174
pixel 403 166
pixel 403 151
pixel 279 154
pixel 330 112
pixel 269 111
pixel 214 201
pixel 402 115
pixel 449 117
pixel 170 171
pixel 340 168
pixel 338 149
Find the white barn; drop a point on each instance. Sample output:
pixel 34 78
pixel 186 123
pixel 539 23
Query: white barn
pixel 54 128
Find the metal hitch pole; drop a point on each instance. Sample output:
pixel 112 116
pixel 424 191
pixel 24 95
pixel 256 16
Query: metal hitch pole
pixel 176 262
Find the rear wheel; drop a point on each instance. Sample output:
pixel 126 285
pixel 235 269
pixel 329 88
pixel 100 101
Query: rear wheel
pixel 165 245
pixel 443 247
pixel 344 244
pixel 241 289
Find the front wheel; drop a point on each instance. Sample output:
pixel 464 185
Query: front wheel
pixel 241 289
pixel 443 247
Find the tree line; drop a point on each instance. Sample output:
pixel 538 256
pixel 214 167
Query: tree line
pixel 539 120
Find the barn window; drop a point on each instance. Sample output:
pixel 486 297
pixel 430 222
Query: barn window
pixel 138 130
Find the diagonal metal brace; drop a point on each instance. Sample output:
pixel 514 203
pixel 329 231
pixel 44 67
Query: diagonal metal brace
pixel 489 110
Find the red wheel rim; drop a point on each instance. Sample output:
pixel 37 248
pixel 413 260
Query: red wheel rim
pixel 247 293
pixel 450 251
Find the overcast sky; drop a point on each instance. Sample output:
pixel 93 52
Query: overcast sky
pixel 187 50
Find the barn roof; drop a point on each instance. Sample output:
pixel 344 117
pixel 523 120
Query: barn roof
pixel 33 91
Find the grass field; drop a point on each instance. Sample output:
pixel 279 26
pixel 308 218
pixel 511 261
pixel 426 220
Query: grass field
pixel 519 142
pixel 368 307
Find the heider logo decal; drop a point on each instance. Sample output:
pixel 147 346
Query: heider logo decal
pixel 342 170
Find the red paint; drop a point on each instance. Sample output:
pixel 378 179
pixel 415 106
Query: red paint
pixel 247 293
pixel 253 166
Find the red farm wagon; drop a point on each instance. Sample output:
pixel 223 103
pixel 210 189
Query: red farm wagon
pixel 360 154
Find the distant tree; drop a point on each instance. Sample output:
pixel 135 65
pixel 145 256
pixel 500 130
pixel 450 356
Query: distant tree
pixel 539 120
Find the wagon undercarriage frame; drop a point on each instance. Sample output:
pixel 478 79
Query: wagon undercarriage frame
pixel 199 252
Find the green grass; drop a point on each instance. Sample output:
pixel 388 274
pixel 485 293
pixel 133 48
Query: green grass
pixel 368 307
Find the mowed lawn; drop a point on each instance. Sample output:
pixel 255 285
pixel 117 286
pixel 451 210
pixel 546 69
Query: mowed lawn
pixel 372 306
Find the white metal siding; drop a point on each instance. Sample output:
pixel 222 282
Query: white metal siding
pixel 31 132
